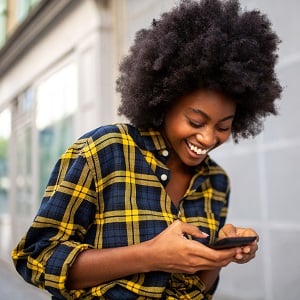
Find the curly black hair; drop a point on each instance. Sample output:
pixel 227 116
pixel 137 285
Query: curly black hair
pixel 208 44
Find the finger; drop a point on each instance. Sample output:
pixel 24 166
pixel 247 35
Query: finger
pixel 246 249
pixel 246 254
pixel 246 232
pixel 189 229
pixel 228 230
pixel 224 257
pixel 239 257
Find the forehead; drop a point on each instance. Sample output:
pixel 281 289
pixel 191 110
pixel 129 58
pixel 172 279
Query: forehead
pixel 206 102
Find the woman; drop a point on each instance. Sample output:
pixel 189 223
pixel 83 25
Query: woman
pixel 131 209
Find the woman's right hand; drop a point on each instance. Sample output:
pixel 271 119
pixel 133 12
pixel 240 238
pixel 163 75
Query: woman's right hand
pixel 172 252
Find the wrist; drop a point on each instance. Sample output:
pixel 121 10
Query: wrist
pixel 147 257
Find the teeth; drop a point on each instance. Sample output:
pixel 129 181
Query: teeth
pixel 196 149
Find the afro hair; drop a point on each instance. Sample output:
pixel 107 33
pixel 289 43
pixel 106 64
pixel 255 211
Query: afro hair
pixel 208 44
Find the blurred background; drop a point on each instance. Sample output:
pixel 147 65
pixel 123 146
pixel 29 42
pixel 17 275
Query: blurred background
pixel 58 65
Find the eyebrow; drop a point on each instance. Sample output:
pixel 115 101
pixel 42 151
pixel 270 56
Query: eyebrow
pixel 199 111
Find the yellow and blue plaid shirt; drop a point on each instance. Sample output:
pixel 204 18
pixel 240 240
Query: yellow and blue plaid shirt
pixel 108 190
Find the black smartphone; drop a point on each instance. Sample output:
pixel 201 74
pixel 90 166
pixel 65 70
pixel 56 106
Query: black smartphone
pixel 232 242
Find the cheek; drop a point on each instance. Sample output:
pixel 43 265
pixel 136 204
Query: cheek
pixel 175 128
pixel 180 132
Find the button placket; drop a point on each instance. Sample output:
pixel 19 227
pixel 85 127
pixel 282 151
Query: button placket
pixel 163 177
pixel 165 153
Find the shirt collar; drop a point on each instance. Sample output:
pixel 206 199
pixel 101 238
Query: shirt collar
pixel 153 140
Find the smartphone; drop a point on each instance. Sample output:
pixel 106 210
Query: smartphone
pixel 232 242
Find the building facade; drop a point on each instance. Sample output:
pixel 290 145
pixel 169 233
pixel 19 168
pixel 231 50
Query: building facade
pixel 58 65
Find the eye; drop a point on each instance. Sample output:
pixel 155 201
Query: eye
pixel 196 124
pixel 224 128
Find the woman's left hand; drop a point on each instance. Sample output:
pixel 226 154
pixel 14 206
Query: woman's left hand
pixel 247 252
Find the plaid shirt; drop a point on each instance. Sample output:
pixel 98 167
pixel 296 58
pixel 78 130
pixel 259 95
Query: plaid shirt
pixel 107 191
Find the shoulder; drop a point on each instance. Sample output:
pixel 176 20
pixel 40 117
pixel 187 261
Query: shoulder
pixel 120 130
pixel 115 133
pixel 111 137
pixel 101 131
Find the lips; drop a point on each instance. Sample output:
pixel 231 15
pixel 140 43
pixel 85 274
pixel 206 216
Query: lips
pixel 196 150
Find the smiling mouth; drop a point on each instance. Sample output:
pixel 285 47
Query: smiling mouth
pixel 196 149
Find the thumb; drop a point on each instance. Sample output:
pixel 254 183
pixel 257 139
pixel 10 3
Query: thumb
pixel 189 229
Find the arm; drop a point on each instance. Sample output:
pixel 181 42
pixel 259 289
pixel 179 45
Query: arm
pixel 93 267
pixel 209 278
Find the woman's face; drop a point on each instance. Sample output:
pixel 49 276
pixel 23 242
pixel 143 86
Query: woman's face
pixel 198 123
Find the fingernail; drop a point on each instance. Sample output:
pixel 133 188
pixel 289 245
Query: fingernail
pixel 247 250
pixel 239 256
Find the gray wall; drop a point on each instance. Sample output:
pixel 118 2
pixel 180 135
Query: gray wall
pixel 264 176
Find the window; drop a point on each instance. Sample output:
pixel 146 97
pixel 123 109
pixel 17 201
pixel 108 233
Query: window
pixel 3 18
pixel 56 104
pixel 23 152
pixel 43 128
pixel 24 178
pixel 24 7
pixel 5 125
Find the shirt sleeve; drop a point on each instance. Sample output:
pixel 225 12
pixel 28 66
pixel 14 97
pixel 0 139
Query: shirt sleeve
pixel 56 237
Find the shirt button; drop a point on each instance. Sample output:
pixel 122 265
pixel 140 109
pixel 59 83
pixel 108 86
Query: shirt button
pixel 165 153
pixel 164 177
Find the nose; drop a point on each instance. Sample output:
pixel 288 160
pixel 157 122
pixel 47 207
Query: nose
pixel 207 137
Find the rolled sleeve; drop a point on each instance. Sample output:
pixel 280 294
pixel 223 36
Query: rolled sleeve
pixel 57 267
pixel 57 235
